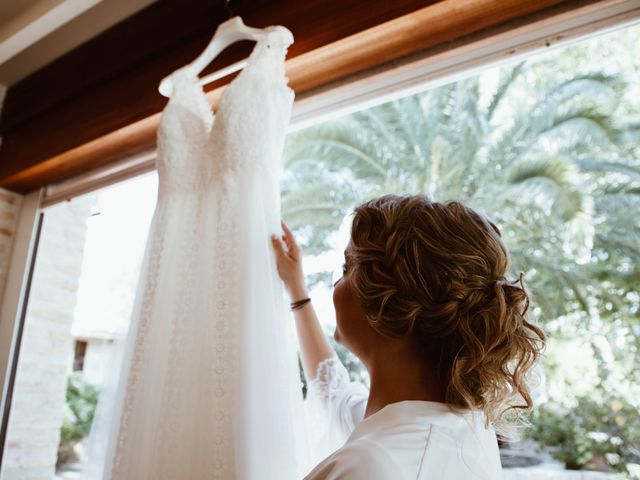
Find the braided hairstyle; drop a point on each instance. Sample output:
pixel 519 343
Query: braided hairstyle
pixel 437 272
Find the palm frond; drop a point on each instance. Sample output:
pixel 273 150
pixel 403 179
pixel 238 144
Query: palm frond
pixel 337 145
pixel 595 164
pixel 548 183
pixel 507 78
pixel 588 97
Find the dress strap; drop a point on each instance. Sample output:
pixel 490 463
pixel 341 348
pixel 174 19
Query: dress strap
pixel 270 51
pixel 278 37
pixel 273 44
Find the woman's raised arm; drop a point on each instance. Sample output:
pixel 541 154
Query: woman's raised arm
pixel 314 346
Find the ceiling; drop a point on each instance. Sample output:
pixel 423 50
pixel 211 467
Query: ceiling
pixel 36 32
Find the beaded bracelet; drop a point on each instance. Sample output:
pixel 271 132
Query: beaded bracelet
pixel 299 304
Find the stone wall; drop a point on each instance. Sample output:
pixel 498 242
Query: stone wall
pixel 95 367
pixel 9 209
pixel 47 345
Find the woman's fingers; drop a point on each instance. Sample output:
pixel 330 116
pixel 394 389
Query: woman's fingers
pixel 287 232
pixel 281 253
pixel 288 237
pixel 277 245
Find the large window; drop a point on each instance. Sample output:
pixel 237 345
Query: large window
pixel 81 298
pixel 547 147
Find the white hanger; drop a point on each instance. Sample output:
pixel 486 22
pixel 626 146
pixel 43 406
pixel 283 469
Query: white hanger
pixel 227 33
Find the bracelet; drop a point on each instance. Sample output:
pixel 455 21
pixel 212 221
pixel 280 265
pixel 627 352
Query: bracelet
pixel 299 304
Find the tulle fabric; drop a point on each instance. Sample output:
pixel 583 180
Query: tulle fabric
pixel 205 384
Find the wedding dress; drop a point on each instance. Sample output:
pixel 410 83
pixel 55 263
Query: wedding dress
pixel 210 386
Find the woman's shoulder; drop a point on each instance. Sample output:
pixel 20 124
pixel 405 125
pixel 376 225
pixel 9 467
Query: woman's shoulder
pixel 358 459
pixel 413 439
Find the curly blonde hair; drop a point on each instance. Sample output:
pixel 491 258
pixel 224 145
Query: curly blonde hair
pixel 437 272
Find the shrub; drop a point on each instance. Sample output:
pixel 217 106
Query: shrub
pixel 590 435
pixel 82 399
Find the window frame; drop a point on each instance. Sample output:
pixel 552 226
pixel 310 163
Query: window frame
pixel 427 69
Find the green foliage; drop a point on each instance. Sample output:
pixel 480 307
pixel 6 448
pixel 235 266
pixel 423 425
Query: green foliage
pixel 81 402
pixel 549 149
pixel 591 429
pixel 549 152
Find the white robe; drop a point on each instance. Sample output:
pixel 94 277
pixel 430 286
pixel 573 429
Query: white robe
pixel 412 439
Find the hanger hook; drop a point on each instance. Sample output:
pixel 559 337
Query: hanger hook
pixel 227 6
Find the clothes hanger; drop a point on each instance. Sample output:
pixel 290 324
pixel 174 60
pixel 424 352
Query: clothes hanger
pixel 228 32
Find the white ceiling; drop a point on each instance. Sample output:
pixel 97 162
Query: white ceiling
pixel 36 32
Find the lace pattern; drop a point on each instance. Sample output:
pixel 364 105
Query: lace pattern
pixel 180 396
pixel 331 377
pixel 334 406
pixel 247 130
pixel 138 349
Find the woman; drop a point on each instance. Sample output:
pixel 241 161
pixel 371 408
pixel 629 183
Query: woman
pixel 424 304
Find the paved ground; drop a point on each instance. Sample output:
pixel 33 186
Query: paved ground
pixel 70 471
pixel 546 469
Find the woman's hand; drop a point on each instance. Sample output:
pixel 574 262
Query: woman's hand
pixel 289 263
pixel 314 346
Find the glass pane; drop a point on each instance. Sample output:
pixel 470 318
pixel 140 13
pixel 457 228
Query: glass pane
pixel 548 149
pixel 82 294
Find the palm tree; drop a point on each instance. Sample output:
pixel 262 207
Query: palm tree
pixel 555 170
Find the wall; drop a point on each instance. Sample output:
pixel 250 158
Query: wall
pixel 9 210
pixel 47 345
pixel 95 367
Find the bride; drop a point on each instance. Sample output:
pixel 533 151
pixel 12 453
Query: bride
pixel 424 303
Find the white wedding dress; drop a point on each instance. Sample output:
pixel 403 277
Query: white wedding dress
pixel 210 386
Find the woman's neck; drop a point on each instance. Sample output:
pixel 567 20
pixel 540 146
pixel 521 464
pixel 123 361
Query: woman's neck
pixel 399 374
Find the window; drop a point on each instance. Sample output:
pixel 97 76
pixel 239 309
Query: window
pixel 81 297
pixel 80 352
pixel 547 146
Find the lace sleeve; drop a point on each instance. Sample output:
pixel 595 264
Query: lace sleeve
pixel 334 406
pixel 331 377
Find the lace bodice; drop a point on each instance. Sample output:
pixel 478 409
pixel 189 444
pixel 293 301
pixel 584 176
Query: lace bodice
pixel 201 147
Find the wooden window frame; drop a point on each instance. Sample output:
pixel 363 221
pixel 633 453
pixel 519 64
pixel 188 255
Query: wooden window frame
pixel 103 120
pixel 362 88
pixel 365 88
